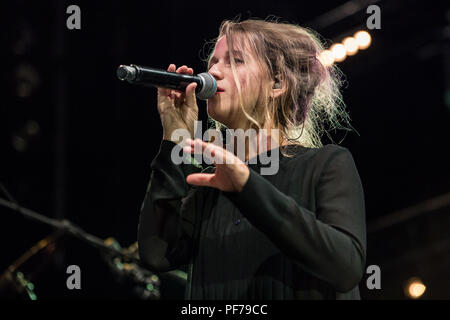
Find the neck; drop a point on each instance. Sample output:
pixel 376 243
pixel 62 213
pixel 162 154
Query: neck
pixel 265 140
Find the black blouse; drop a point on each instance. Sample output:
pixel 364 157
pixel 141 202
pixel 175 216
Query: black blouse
pixel 298 234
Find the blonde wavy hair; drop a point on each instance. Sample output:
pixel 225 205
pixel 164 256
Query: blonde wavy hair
pixel 311 104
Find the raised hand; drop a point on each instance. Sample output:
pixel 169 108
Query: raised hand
pixel 231 172
pixel 178 110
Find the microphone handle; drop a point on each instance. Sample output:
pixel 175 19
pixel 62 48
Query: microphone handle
pixel 163 78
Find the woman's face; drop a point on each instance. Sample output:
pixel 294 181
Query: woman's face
pixel 224 105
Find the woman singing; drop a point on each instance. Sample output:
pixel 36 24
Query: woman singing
pixel 296 234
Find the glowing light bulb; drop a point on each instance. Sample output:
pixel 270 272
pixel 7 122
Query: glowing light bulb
pixel 326 57
pixel 338 51
pixel 363 39
pixel 351 46
pixel 415 288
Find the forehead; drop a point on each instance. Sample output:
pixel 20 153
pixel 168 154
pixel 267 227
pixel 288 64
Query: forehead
pixel 238 46
pixel 221 44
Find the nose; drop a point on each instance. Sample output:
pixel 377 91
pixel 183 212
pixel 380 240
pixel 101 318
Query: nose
pixel 216 72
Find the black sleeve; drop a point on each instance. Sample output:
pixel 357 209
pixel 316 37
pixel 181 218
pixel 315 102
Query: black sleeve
pixel 162 241
pixel 330 243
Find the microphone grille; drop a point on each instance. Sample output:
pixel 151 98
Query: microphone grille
pixel 126 73
pixel 209 87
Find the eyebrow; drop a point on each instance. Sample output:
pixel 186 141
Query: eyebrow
pixel 236 52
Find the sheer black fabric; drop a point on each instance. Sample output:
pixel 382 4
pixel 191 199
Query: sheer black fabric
pixel 298 234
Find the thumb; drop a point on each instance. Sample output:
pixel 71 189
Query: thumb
pixel 201 179
pixel 191 99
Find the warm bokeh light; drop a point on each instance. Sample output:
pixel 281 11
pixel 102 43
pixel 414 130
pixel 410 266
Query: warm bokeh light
pixel 326 57
pixel 351 46
pixel 415 288
pixel 363 39
pixel 338 51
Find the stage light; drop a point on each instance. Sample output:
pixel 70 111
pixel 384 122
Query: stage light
pixel 414 288
pixel 351 46
pixel 363 39
pixel 326 57
pixel 338 51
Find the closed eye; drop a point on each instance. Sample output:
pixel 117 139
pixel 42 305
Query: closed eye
pixel 214 59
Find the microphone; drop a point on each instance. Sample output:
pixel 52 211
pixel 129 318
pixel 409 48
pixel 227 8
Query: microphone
pixel 206 84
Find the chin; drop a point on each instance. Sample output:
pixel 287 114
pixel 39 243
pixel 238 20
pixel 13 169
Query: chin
pixel 218 112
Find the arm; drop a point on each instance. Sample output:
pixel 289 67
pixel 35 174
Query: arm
pixel 330 243
pixel 163 243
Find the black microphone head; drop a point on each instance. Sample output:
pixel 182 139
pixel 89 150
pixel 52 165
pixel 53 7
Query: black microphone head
pixel 209 87
pixel 126 73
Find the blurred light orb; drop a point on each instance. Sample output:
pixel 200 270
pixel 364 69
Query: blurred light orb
pixel 24 89
pixel 351 46
pixel 363 39
pixel 32 128
pixel 326 57
pixel 338 51
pixel 415 288
pixel 27 80
pixel 19 144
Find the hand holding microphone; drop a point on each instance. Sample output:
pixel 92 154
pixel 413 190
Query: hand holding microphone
pixel 178 110
pixel 206 84
pixel 177 91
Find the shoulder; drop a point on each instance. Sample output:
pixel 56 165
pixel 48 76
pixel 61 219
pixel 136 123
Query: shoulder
pixel 330 157
pixel 318 155
pixel 332 153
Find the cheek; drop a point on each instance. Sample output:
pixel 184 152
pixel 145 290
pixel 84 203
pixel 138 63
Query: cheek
pixel 242 79
pixel 254 89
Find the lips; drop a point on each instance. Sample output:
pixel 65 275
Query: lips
pixel 219 89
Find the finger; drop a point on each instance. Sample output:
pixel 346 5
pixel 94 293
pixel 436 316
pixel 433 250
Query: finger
pixel 191 99
pixel 175 93
pixel 182 69
pixel 218 154
pixel 163 92
pixel 189 91
pixel 172 67
pixel 208 154
pixel 201 179
pixel 191 147
pixel 188 96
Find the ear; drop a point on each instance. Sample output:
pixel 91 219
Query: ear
pixel 278 88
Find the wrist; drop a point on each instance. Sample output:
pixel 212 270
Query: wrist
pixel 244 176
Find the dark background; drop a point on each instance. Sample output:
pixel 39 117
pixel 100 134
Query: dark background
pixel 76 143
